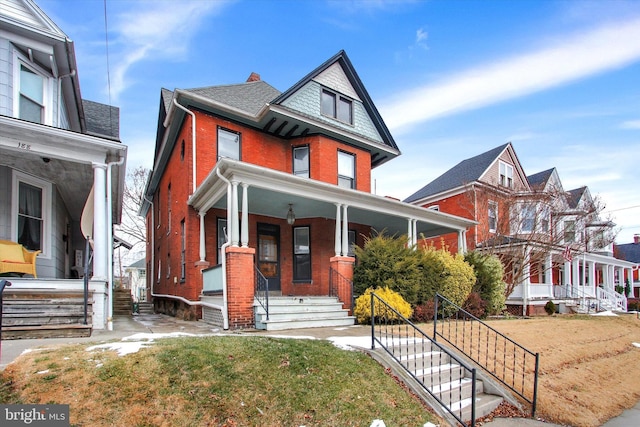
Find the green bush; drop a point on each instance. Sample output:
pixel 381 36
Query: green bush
pixel 446 274
pixel 550 307
pixel 387 262
pixel 362 310
pixel 489 280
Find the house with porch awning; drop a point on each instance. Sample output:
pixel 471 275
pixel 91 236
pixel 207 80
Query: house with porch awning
pixel 257 196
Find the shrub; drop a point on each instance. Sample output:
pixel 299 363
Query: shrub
pixel 550 307
pixel 362 310
pixel 475 305
pixel 387 262
pixel 489 280
pixel 446 274
pixel 424 312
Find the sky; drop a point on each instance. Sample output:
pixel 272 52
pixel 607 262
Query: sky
pixel 450 78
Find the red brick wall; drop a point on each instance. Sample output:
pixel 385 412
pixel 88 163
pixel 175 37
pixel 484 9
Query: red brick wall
pixel 240 287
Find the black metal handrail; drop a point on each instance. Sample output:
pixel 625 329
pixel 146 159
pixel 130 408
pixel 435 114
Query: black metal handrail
pixel 423 358
pixel 340 285
pixel 262 290
pixel 507 361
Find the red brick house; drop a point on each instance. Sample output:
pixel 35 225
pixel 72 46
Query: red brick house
pixel 544 235
pixel 257 195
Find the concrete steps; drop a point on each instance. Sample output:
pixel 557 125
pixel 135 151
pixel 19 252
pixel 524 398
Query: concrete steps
pixel 122 302
pixel 301 312
pixel 145 308
pixel 432 368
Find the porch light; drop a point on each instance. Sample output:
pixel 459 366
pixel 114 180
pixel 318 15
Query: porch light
pixel 291 217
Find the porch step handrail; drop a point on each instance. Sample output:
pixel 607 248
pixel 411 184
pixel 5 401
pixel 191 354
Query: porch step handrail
pixel 262 291
pixel 500 356
pixel 340 285
pixel 396 329
pixel 577 293
pixel 617 301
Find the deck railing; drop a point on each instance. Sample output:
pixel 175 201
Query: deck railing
pixel 423 358
pixel 262 291
pixel 507 361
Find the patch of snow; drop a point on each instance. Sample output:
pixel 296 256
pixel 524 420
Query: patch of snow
pixel 636 344
pixel 378 423
pixel 123 348
pixel 349 343
pixel 605 313
pixel 46 371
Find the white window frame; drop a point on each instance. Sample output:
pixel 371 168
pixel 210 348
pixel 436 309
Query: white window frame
pixel 305 173
pixel 46 188
pixel 493 208
pixel 47 87
pixel 528 213
pixel 344 177
pixel 226 134
pixel 505 174
pixel 338 100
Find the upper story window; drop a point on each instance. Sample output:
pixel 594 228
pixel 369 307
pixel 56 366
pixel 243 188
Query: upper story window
pixel 337 106
pixel 346 170
pixel 32 213
pixel 569 231
pixel 31 95
pixel 301 161
pixel 493 217
pixel 506 175
pixel 228 144
pixel 527 218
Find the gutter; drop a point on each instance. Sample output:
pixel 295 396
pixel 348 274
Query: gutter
pixel 110 248
pixel 193 141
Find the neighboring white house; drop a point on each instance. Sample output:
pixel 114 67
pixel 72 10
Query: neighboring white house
pixel 62 165
pixel 137 274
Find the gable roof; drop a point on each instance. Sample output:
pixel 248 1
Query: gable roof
pixel 249 97
pixel 630 251
pixel 540 179
pixel 463 173
pixel 102 119
pixel 575 196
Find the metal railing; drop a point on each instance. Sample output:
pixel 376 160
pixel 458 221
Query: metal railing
pixel 447 378
pixel 585 302
pixel 507 361
pixel 341 287
pixel 262 290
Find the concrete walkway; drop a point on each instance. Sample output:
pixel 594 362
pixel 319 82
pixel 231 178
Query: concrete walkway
pixel 157 324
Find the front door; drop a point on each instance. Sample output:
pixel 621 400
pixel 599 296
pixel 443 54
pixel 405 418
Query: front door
pixel 269 254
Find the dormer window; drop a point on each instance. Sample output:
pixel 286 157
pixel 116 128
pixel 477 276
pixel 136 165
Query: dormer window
pixel 506 175
pixel 337 106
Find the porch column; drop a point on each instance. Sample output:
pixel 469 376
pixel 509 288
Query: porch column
pixel 462 242
pixel 244 234
pixel 99 222
pixel 567 273
pixel 338 238
pixel 345 231
pixel 548 269
pixel 203 248
pixel 526 281
pixel 414 232
pixel 576 272
pixel 235 238
pixel 592 274
pixel 409 231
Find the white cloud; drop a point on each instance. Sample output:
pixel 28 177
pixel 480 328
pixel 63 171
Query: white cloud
pixel 630 124
pixel 574 57
pixel 157 30
pixel 421 37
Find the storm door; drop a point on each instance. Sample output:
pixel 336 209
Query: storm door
pixel 269 254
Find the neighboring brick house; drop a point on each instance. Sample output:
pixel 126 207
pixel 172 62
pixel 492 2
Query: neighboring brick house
pixel 543 234
pixel 631 252
pixel 253 187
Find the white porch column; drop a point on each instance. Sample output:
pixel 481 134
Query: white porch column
pixel 235 238
pixel 576 272
pixel 548 269
pixel 526 281
pixel 414 232
pixel 567 274
pixel 345 231
pixel 462 242
pixel 410 231
pixel 592 274
pixel 244 234
pixel 99 222
pixel 202 248
pixel 338 238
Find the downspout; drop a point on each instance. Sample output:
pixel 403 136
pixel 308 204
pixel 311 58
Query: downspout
pixel 153 243
pixel 110 247
pixel 71 74
pixel 193 142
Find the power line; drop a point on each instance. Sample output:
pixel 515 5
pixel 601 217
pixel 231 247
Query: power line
pixel 623 209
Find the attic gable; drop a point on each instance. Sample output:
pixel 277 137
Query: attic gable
pixel 26 14
pixel 506 167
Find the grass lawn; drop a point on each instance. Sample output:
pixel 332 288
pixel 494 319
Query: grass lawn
pixel 589 371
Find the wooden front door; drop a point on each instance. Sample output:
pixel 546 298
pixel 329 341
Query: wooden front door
pixel 269 254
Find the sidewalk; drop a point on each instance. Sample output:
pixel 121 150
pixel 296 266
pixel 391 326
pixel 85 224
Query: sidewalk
pixel 149 325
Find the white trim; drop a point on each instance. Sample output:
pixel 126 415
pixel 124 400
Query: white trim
pixel 47 86
pixel 47 207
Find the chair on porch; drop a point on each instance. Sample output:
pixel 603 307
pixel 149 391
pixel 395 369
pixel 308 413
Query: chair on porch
pixel 15 258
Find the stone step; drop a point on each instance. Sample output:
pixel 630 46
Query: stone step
pixel 46 331
pixel 280 325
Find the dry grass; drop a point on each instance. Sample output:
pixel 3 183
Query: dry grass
pixel 589 367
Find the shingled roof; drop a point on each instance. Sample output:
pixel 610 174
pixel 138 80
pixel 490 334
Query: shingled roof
pixel 575 196
pixel 463 173
pixel 249 97
pixel 630 251
pixel 540 179
pixel 101 119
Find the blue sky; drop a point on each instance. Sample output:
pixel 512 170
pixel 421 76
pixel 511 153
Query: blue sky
pixel 452 79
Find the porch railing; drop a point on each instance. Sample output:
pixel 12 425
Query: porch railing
pixel 339 286
pixel 422 358
pixel 612 299
pixel 507 361
pixel 581 295
pixel 262 291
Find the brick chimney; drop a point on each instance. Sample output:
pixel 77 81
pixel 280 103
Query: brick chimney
pixel 254 77
pixel 636 239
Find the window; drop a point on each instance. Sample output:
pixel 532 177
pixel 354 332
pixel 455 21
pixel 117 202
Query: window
pixel 168 265
pixel 434 208
pixel 493 217
pixel 506 175
pixel 31 212
pixel 182 151
pixel 528 218
pixel 336 106
pixel 31 95
pixel 352 242
pixel 169 209
pixel 569 231
pixel 222 236
pixel 301 161
pixel 346 170
pixel 228 144
pixel 183 247
pixel 301 254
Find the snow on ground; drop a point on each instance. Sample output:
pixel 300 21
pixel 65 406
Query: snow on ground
pixel 636 344
pixel 605 313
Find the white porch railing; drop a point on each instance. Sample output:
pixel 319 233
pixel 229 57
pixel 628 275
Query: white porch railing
pixel 612 299
pixel 534 291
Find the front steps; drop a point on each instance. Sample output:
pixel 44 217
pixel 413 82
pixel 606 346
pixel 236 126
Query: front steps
pixel 445 378
pixel 296 312
pixel 122 302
